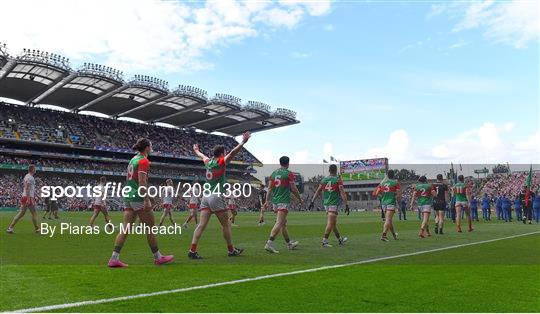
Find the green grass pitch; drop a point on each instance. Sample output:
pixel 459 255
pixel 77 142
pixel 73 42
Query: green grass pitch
pixel 501 276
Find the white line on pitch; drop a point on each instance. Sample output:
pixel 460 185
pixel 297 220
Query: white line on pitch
pixel 226 283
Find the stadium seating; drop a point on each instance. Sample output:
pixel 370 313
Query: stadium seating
pixel 44 125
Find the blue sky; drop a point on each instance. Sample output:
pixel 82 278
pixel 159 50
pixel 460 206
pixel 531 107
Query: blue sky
pixel 413 81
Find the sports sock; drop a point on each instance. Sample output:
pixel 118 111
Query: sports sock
pixel 155 252
pixel 272 238
pixel 115 256
pixel 338 236
pixel 193 248
pixel 287 240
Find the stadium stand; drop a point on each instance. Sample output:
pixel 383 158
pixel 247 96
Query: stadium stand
pixel 76 146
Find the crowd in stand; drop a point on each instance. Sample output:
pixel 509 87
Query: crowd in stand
pixel 79 164
pixel 39 124
pixel 508 184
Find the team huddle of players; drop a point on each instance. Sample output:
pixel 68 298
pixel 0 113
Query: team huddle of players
pixel 281 189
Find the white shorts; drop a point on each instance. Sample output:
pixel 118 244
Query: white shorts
pixel 389 207
pixel 462 204
pixel 425 208
pixel 133 205
pixel 331 208
pixel 281 207
pixel 213 203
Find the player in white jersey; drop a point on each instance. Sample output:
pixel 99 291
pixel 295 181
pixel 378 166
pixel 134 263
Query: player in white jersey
pixel 193 203
pixel 233 210
pixel 99 203
pixel 28 200
pixel 167 203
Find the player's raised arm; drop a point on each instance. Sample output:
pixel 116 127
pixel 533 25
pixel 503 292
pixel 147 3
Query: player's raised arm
pixel 234 151
pixel 199 154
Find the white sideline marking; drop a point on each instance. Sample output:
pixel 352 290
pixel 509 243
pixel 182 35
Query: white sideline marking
pixel 226 283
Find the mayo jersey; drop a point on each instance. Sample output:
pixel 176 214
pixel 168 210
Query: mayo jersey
pixel 423 194
pixel 215 174
pixel 460 191
pixel 331 187
pixel 281 181
pixel 389 189
pixel 137 164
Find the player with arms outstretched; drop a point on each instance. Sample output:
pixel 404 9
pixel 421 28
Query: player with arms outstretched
pixel 389 191
pixel 333 190
pixel 213 190
pixel 99 204
pixel 282 185
pixel 28 200
pixel 463 195
pixel 138 205
pixel 167 203
pixel 423 193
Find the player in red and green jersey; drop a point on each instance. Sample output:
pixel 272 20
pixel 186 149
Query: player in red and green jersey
pixel 213 201
pixel 138 205
pixel 423 193
pixel 333 194
pixel 462 193
pixel 389 192
pixel 282 185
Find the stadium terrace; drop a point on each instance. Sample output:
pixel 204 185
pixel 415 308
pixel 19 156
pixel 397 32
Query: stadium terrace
pixel 36 77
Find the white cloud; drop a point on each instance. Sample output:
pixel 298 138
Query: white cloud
pixel 328 149
pixel 299 55
pixel 170 36
pixel 328 27
pixel 396 149
pixel 301 157
pixel 508 126
pixel 485 145
pixel 481 145
pixel 440 151
pixel 510 22
pixel 314 7
pixel 458 45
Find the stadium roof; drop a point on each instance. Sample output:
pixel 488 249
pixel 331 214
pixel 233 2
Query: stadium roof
pixel 37 77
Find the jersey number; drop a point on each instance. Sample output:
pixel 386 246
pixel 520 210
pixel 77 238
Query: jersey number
pixel 329 187
pixel 277 181
pixel 130 172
